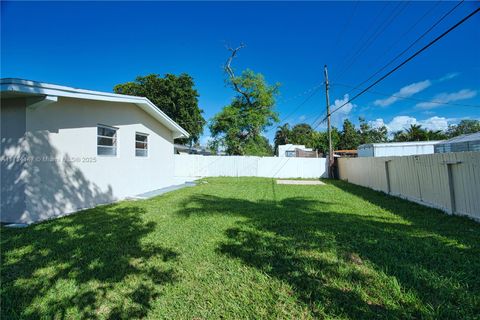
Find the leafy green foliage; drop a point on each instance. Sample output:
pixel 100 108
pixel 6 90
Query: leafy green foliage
pixel 368 134
pixel 302 134
pixel 417 133
pixel 282 136
pixel 246 248
pixel 349 138
pixel 463 127
pixel 321 140
pixel 174 95
pixel 239 125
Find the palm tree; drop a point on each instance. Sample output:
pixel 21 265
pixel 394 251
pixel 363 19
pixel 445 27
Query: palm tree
pixel 400 136
pixel 416 133
pixel 436 135
pixel 282 136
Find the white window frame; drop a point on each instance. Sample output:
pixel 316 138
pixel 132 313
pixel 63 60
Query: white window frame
pixel 114 142
pixel 145 142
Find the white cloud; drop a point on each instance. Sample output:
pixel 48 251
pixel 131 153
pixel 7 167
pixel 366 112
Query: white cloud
pixel 404 122
pixel 447 97
pixel 340 115
pixel 449 76
pixel 404 92
pixel 436 123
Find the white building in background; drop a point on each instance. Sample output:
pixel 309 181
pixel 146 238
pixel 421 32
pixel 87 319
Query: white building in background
pixel 289 150
pixel 463 143
pixel 396 149
pixel 64 149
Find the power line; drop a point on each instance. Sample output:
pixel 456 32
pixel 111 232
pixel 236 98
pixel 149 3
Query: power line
pixel 405 98
pixel 384 26
pixel 408 59
pixel 348 56
pixel 412 44
pixel 346 24
pixel 315 91
pixel 409 30
pixel 299 95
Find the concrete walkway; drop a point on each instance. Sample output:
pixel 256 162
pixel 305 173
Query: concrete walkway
pixel 161 191
pixel 301 182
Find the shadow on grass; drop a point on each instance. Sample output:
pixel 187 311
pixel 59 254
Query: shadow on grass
pixel 88 265
pixel 409 262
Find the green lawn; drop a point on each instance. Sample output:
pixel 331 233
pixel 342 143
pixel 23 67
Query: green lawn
pixel 246 248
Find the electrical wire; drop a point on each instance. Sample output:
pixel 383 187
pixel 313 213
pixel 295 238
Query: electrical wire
pixel 407 60
pixel 384 26
pixel 412 44
pixel 405 98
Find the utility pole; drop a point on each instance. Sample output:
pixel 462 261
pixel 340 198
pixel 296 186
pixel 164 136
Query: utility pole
pixel 330 148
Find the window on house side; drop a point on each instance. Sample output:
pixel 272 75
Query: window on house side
pixel 106 141
pixel 141 145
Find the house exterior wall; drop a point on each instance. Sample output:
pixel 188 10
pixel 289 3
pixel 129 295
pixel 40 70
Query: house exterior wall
pixel 12 196
pixel 65 173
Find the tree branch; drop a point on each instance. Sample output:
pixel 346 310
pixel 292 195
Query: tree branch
pixel 231 74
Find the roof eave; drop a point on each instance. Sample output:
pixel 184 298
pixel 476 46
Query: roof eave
pixel 37 88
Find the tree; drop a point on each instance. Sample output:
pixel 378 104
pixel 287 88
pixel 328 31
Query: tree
pixel 436 135
pixel 282 136
pixel 400 136
pixel 259 146
pixel 416 133
pixel 464 127
pixel 302 134
pixel 321 140
pixel 174 95
pixel 239 125
pixel 372 135
pixel 349 138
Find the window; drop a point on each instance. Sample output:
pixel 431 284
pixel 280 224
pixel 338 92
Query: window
pixel 106 141
pixel 141 145
pixel 290 153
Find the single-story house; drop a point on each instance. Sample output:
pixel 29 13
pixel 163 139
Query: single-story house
pixel 64 149
pixel 296 150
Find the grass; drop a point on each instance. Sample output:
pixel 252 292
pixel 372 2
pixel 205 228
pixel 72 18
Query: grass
pixel 246 248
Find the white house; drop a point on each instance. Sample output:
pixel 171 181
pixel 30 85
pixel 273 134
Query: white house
pixel 289 150
pixel 65 149
pixel 396 148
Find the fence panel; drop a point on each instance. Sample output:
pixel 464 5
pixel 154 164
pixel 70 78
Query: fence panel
pixel 447 181
pixel 242 166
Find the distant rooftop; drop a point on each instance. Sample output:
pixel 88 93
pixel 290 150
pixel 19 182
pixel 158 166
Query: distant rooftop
pixel 399 144
pixel 464 138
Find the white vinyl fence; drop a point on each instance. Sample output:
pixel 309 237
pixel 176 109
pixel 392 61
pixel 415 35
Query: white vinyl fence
pixel 447 181
pixel 245 166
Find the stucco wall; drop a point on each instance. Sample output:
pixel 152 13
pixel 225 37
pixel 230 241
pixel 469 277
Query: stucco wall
pixel 12 195
pixel 65 174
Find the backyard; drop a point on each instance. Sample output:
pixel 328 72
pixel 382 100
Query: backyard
pixel 246 248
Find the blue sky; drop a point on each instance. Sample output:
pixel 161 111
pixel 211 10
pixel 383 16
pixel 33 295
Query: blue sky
pixel 97 45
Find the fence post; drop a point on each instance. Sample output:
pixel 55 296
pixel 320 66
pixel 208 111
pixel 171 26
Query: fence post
pixel 451 186
pixel 387 174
